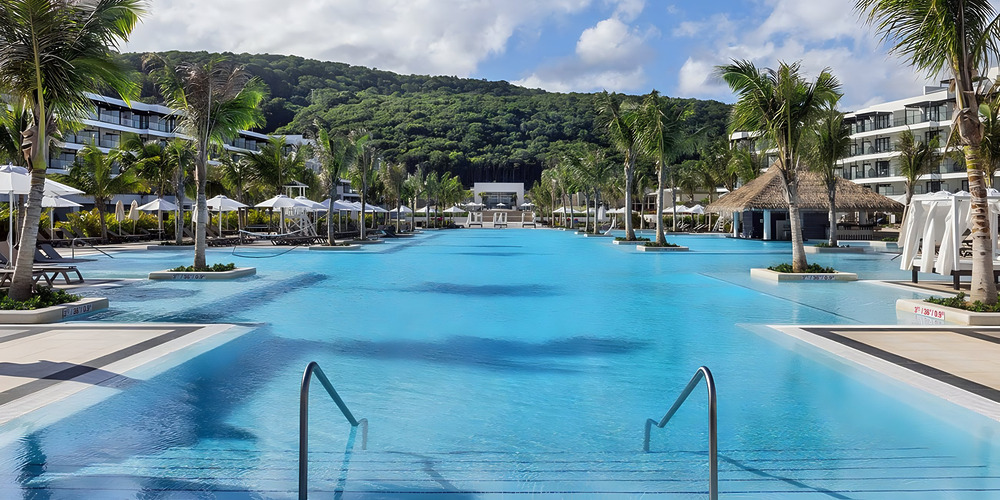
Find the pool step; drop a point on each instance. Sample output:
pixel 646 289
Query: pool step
pixel 224 473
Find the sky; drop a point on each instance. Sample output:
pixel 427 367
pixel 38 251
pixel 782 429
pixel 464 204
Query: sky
pixel 629 46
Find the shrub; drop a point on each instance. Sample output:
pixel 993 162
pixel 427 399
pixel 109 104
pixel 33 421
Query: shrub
pixel 622 238
pixel 43 297
pixel 215 268
pixel 664 245
pixel 959 302
pixel 811 268
pixel 827 244
pixel 891 238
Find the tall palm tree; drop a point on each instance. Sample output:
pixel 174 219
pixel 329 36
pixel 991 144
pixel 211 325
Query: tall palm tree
pixel 236 177
pixel 394 177
pixel 51 53
pixel 828 145
pixel 779 104
pixel 551 182
pixel 336 154
pixel 272 167
pixel 661 134
pixel 960 37
pixel 621 121
pixel 214 102
pixel 92 174
pixel 181 155
pixel 14 117
pixel 916 158
pixel 432 188
pixel 989 148
pixel 367 162
pixel 415 184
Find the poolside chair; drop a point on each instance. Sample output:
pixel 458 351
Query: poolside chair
pixel 49 271
pixel 528 219
pixel 475 219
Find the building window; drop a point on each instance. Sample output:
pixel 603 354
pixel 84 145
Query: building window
pixel 884 189
pixel 882 145
pixel 882 168
pixel 883 121
pixel 933 186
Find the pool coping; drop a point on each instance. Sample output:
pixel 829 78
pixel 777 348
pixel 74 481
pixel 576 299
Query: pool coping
pixel 114 370
pixel 971 395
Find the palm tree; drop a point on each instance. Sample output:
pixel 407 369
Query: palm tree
pixel 394 177
pixel 432 187
pixel 14 118
pixel 779 104
pixel 621 121
pixel 828 145
pixel 181 155
pixel 549 179
pixel 51 53
pixel 915 159
pixel 214 102
pixel 367 161
pixel 92 173
pixel 272 167
pixel 989 148
pixel 336 154
pixel 958 36
pixel 415 183
pixel 148 159
pixel 661 137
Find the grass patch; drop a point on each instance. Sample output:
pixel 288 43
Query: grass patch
pixel 42 298
pixel 959 302
pixel 811 268
pixel 622 238
pixel 664 245
pixel 891 238
pixel 214 268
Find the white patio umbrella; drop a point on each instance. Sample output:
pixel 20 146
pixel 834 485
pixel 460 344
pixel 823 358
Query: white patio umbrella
pixel 403 209
pixel 133 214
pixel 119 213
pixel 281 202
pixel 222 203
pixel 312 205
pixel 159 206
pixel 502 205
pixel 52 202
pixel 454 210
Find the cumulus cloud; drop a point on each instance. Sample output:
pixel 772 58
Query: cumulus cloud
pixel 819 34
pixel 409 36
pixel 609 55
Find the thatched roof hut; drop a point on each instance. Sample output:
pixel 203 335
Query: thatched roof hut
pixel 766 193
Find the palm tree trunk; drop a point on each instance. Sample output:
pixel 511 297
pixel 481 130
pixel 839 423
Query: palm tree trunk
pixel 832 193
pixel 661 240
pixel 102 207
pixel 629 179
pixel 200 240
pixel 179 220
pixel 21 283
pixel 329 215
pixel 799 263
pixel 983 288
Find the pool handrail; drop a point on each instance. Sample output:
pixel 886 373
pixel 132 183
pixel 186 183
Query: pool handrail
pixel 313 369
pixel 713 437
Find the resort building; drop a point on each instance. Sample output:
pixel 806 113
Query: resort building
pixel 875 130
pixel 493 194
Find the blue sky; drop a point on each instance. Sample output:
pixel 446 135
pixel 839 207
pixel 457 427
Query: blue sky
pixel 559 45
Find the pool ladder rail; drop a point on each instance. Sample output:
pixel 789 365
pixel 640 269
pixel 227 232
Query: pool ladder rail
pixel 313 369
pixel 713 438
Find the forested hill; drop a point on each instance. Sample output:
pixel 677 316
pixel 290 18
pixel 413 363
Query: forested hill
pixel 478 129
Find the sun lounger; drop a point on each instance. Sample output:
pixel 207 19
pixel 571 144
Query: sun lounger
pixel 528 219
pixel 7 275
pixel 475 219
pixel 50 271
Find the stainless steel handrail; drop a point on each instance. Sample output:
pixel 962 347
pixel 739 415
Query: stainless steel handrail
pixel 313 369
pixel 713 437
pixel 72 246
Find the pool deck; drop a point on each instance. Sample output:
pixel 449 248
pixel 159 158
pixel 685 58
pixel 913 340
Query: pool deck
pixel 956 363
pixel 45 364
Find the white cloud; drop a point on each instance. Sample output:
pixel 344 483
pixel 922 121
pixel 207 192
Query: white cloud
pixel 819 34
pixel 628 10
pixel 610 42
pixel 408 36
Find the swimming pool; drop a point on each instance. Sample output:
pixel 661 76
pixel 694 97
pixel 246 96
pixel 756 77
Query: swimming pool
pixel 499 363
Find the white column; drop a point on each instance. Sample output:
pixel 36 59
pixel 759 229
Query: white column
pixel 737 218
pixel 767 225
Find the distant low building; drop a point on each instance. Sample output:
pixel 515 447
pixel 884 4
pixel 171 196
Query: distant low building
pixel 492 194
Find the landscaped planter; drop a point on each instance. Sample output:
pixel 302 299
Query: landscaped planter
pixel 239 272
pixel 366 242
pixel 776 276
pixel 54 314
pixel 598 235
pixel 328 248
pixel 945 313
pixel 644 248
pixel 812 249
pixel 634 242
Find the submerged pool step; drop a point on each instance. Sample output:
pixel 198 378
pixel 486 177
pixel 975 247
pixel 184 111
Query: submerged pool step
pixel 495 474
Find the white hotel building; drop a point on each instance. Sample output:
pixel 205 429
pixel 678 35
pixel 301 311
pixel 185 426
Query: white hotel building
pixel 873 159
pixel 111 117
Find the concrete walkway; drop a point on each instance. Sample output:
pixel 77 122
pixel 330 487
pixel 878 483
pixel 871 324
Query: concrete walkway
pixel 959 364
pixel 41 365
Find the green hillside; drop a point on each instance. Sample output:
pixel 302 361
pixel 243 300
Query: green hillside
pixel 477 129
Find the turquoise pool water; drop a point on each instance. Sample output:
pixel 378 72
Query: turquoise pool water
pixel 506 363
